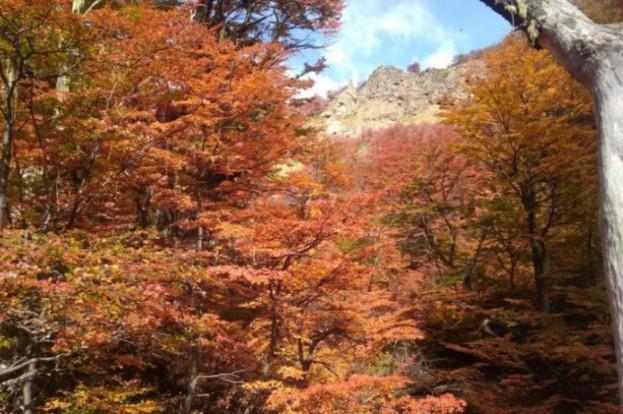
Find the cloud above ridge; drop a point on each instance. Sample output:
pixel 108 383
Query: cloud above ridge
pixel 400 32
pixel 370 26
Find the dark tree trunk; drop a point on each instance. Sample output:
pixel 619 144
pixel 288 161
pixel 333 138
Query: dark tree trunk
pixel 275 295
pixel 10 78
pixel 467 281
pixel 540 264
pixel 538 247
pixel 192 382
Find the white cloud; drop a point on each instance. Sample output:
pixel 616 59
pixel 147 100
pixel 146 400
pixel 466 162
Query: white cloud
pixel 322 86
pixel 442 57
pixel 370 26
pixel 377 32
pixel 339 57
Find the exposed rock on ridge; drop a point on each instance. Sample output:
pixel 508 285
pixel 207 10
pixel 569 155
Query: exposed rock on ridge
pixel 392 95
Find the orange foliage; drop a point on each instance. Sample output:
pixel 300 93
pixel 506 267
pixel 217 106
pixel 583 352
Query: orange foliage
pixel 179 240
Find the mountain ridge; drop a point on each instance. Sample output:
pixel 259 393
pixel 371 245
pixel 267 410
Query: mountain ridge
pixel 394 96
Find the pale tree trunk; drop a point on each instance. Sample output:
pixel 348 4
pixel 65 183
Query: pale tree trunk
pixel 593 54
pixel 10 78
pixel 78 7
pixel 84 7
pixel 200 239
pixel 81 8
pixel 608 92
pixel 27 388
pixel 62 83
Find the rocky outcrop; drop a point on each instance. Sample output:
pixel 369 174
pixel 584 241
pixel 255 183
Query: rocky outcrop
pixel 391 96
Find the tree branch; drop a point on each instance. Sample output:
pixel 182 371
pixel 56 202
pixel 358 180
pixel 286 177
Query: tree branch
pixel 24 364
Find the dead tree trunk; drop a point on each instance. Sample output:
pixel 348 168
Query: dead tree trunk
pixel 593 54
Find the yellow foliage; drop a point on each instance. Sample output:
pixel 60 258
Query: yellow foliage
pixel 100 400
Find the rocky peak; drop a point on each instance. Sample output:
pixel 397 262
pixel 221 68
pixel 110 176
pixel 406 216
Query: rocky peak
pixel 392 95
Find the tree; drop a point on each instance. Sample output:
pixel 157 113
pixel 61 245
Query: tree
pixel 430 194
pixel 251 21
pixel 177 243
pixel 533 140
pixel 80 335
pixel 591 53
pixel 30 46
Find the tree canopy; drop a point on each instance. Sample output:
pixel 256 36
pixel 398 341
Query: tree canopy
pixel 177 237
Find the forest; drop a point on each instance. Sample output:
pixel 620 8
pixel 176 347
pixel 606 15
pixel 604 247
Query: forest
pixel 177 237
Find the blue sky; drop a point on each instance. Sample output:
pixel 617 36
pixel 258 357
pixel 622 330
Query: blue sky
pixel 399 32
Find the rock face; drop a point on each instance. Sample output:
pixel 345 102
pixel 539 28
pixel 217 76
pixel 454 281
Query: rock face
pixel 391 96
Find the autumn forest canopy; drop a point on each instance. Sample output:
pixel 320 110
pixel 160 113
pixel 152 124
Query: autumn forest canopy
pixel 177 235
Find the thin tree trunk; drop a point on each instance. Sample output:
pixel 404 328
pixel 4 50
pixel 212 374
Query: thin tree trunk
pixel 275 293
pixel 5 169
pixel 537 246
pixel 512 272
pixel 467 281
pixel 63 82
pixel 540 264
pixel 11 78
pixel 199 239
pixel 27 388
pixel 192 383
